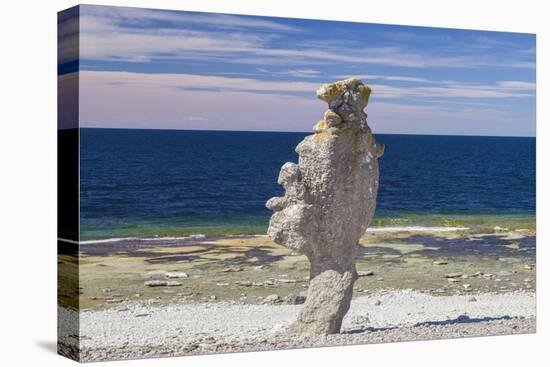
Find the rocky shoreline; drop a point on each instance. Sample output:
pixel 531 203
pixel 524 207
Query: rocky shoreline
pixel 254 270
pixel 137 331
pixel 168 297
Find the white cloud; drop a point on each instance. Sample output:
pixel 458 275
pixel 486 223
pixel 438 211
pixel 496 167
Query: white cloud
pixel 103 42
pixel 131 16
pixel 138 101
pixel 398 118
pixel 221 83
pixel 114 33
pixel 299 73
pixel 512 84
pixel 450 90
pixel 180 101
pixel 394 78
pixel 192 81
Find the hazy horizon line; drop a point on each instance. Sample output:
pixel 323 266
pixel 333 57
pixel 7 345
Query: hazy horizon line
pixel 296 131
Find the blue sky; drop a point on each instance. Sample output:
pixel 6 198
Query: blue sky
pixel 142 68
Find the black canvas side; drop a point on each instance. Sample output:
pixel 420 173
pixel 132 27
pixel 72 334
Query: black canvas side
pixel 68 231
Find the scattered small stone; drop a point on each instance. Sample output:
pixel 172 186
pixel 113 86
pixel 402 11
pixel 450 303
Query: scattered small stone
pixel 528 286
pixel 259 267
pixel 286 280
pixel 440 262
pixel 453 275
pixel 269 282
pixel 231 270
pixel 175 274
pixel 365 273
pixel 467 286
pixel 472 299
pixel 272 298
pixel 222 284
pixel 295 299
pixel 500 229
pixel 162 283
pixel 114 300
pixel 380 279
pixel 529 266
pixel 504 273
pixel 107 290
pixel 156 283
pixel 453 280
pixel 142 315
pixel 245 283
pixel 359 320
pixel 213 298
pixel 155 272
pixel 528 280
pixel 377 302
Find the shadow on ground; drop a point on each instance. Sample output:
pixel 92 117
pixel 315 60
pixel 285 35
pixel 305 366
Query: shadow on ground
pixel 462 319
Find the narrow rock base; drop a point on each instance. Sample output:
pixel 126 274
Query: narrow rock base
pixel 327 302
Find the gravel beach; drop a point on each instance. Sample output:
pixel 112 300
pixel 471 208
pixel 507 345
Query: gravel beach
pixel 135 330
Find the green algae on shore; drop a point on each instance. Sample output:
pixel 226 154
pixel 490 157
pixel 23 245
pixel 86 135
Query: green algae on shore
pixel 247 269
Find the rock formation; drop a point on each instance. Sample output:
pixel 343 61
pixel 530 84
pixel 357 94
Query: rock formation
pixel 330 198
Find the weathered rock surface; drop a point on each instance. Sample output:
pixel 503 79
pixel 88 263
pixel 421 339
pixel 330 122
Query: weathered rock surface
pixel 330 198
pixel 176 274
pixel 365 273
pixel 295 299
pixel 162 283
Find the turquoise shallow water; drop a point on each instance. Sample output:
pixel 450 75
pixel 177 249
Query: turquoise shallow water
pixel 146 183
pixel 258 225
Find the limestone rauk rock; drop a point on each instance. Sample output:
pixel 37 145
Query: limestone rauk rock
pixel 330 198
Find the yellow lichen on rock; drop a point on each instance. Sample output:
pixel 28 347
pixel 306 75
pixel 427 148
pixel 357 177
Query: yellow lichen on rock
pixel 332 118
pixel 323 136
pixel 365 92
pixel 332 91
pixel 328 92
pixel 320 126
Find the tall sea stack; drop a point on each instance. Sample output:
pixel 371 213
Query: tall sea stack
pixel 330 198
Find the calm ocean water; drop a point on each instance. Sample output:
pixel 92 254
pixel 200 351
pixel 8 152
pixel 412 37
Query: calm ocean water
pixel 171 183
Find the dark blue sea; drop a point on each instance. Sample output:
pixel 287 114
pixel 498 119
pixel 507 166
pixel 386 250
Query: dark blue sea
pixel 175 182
